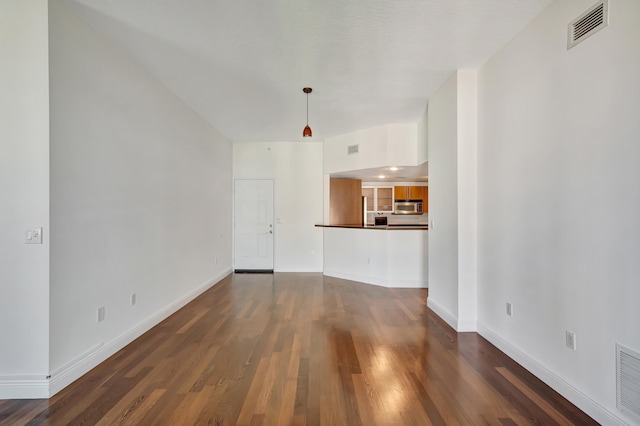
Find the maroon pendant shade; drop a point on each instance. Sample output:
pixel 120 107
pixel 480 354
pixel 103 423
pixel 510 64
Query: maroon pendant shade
pixel 306 133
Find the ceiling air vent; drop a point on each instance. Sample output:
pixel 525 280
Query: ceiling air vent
pixel 352 149
pixel 589 23
pixel 628 381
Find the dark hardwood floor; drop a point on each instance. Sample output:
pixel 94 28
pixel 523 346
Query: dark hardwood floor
pixel 295 348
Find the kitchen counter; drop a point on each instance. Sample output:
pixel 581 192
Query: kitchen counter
pixel 389 259
pixel 390 227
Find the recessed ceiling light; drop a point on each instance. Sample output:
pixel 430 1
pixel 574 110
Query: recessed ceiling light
pixel 381 176
pixel 393 169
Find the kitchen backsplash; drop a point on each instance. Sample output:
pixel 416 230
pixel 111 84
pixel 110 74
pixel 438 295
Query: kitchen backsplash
pixel 402 219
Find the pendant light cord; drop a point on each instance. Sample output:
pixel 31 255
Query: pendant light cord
pixel 306 133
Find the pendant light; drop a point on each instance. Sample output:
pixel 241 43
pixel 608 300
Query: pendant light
pixel 306 133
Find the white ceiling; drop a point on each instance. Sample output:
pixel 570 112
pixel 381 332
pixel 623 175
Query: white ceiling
pixel 242 64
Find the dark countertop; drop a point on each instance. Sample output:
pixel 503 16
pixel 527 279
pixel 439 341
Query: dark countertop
pixel 380 227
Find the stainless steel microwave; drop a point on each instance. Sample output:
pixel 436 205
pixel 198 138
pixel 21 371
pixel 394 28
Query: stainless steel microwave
pixel 408 207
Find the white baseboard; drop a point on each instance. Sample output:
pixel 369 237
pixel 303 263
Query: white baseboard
pixel 75 369
pixel 461 326
pixel 299 270
pixel 466 326
pixel 577 398
pixel 446 316
pixel 24 387
pixel 377 281
pixel 68 373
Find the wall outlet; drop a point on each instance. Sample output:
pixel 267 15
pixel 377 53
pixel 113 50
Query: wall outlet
pixel 509 309
pixel 368 261
pixel 133 299
pixel 33 236
pixel 101 314
pixel 570 339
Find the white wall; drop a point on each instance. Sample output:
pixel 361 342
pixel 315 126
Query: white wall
pixel 452 139
pixel 467 190
pixel 559 199
pixel 422 130
pixel 386 145
pixel 402 145
pixel 443 201
pixel 140 197
pixel 296 168
pixel 24 195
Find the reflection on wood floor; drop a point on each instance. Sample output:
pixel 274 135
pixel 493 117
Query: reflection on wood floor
pixel 300 348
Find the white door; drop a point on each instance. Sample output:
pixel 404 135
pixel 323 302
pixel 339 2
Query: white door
pixel 253 222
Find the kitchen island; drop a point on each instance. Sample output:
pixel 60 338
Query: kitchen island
pixel 389 256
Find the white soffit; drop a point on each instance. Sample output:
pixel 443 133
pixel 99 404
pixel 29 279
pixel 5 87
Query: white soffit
pixel 418 173
pixel 242 64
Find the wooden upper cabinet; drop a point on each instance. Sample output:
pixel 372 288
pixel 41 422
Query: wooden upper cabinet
pixel 425 199
pixel 401 192
pixel 415 192
pixel 409 192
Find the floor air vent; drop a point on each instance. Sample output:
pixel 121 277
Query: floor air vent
pixel 589 23
pixel 628 381
pixel 352 149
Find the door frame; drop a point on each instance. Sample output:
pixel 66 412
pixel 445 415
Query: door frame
pixel 273 216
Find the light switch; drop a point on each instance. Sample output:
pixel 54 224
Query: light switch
pixel 33 236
